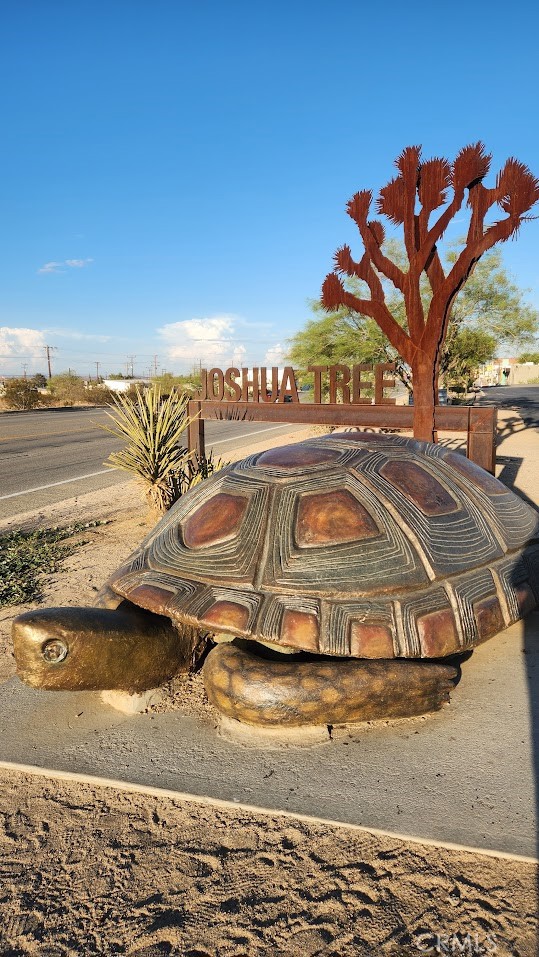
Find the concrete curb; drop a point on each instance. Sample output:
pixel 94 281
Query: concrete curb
pixel 184 797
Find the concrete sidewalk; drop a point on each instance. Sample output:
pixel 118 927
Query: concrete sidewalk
pixel 466 776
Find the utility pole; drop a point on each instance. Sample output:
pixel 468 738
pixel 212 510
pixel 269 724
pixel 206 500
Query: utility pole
pixel 97 372
pixel 24 368
pixel 130 361
pixel 154 367
pixel 48 350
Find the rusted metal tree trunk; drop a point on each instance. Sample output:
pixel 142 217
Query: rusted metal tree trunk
pixel 410 200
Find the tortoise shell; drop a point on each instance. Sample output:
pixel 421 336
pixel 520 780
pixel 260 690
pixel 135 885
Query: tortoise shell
pixel 353 544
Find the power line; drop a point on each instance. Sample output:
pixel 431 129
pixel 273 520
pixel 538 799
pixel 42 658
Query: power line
pixel 141 355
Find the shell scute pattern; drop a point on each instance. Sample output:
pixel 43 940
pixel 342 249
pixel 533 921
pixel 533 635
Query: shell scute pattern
pixel 511 520
pixel 354 544
pixel 367 565
pixel 332 518
pixel 437 534
pixel 217 520
pixel 420 487
pixel 194 546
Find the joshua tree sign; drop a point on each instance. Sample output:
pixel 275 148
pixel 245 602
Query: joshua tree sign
pixel 410 200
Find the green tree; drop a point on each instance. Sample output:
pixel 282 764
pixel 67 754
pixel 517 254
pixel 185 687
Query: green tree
pixel 466 350
pixel 489 315
pixel 21 394
pixel 344 337
pixel 529 357
pixel 167 381
pixel 68 388
pixel 490 300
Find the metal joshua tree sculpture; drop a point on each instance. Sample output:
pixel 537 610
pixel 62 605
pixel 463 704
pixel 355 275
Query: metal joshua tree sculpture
pixel 410 200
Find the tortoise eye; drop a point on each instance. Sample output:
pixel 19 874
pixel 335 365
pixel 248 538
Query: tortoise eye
pixel 54 651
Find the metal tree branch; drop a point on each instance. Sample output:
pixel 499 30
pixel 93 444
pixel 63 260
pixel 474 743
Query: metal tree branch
pixel 427 184
pixel 372 234
pixel 408 165
pixel 334 295
pixel 434 271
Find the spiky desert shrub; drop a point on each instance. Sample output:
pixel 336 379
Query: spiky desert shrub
pixel 195 469
pixel 20 394
pixel 153 425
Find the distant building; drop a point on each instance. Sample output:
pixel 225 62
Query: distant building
pixel 508 371
pixel 123 385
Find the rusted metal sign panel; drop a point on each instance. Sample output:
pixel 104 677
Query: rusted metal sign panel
pixel 356 385
pixel 479 424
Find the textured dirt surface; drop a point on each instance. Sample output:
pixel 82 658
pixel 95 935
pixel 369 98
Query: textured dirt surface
pixel 89 870
pixel 93 871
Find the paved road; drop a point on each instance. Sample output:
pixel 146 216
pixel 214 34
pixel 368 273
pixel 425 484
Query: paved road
pixel 523 399
pixel 47 456
pixel 50 455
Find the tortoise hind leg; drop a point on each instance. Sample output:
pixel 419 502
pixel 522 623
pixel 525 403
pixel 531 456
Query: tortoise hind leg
pixel 269 693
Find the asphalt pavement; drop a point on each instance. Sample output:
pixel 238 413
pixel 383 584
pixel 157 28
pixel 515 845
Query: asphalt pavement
pixel 523 399
pixel 49 455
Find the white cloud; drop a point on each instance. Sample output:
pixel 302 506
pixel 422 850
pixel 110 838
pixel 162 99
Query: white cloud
pixel 237 358
pixel 17 344
pixel 210 340
pixel 80 336
pixel 275 355
pixel 59 266
pixel 78 263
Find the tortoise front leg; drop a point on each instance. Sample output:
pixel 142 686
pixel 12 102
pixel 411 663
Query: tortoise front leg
pixel 272 693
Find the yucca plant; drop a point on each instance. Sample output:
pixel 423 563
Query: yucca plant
pixel 195 469
pixel 152 424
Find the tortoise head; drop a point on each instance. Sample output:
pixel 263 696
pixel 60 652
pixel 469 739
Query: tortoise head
pixel 97 649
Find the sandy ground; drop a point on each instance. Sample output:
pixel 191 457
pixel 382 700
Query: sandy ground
pixel 94 871
pixel 89 870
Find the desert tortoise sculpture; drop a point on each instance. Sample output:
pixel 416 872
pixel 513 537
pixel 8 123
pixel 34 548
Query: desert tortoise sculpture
pixel 345 568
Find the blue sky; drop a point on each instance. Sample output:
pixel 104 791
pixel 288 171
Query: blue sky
pixel 175 174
